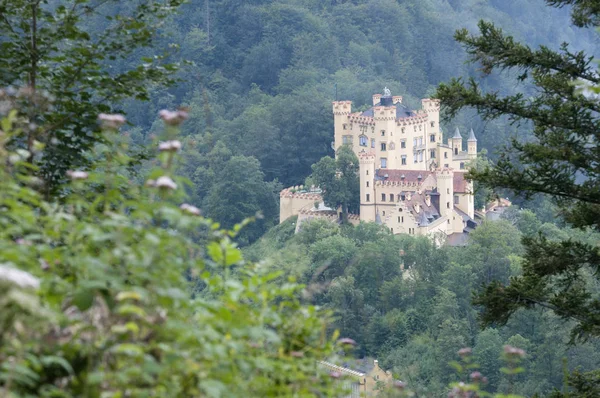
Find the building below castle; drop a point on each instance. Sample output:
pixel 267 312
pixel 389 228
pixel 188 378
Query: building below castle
pixel 367 382
pixel 410 180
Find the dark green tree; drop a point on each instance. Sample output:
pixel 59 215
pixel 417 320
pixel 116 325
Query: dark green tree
pixel 89 55
pixel 561 160
pixel 338 178
pixel 241 192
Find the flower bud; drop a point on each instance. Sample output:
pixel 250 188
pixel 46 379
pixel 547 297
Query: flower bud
pixel 173 118
pixel 108 121
pixel 165 182
pixel 193 210
pixel 169 146
pixel 77 175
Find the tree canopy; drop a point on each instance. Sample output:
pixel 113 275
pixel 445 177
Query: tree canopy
pixel 561 160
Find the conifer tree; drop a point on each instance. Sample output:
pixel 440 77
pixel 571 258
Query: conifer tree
pixel 562 161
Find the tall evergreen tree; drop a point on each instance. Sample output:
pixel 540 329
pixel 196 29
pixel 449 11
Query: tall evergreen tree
pixel 563 161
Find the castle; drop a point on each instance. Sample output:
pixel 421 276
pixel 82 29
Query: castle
pixel 410 180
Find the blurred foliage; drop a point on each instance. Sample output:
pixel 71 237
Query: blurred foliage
pixel 116 292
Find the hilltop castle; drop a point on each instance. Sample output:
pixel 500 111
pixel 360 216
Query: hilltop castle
pixel 410 180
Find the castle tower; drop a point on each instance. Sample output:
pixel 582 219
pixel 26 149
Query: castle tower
pixel 456 142
pixel 341 126
pixel 432 108
pixel 367 189
pixel 472 145
pixel 384 117
pixel 445 187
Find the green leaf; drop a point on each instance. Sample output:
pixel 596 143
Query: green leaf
pixel 83 299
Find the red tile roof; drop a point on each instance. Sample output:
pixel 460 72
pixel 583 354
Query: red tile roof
pixel 460 183
pixel 409 175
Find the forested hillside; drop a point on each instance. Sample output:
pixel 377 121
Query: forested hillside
pixel 263 75
pixel 415 321
pixel 143 146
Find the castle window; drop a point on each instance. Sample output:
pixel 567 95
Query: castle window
pixel 383 146
pixel 445 155
pixel 367 184
pixel 420 140
pixel 446 165
pixel 363 141
pixel 432 154
pixel 383 163
pixel 403 144
pixel 392 230
pixel 456 151
pixel 383 133
pixel 403 197
pixel 415 157
pixel 392 146
pixel 367 172
pixel 415 128
pixel 432 138
pixel 372 142
pixel 414 142
pixel 403 219
pixel 345 127
pixel 398 218
pixel 421 156
pixel 455 199
pixel 448 205
pixel 403 159
pixel 368 198
pixel 347 140
pixel 383 197
pixel 448 191
pixel 402 130
pixel 420 127
pixel 391 197
pixel 384 213
pixel 462 165
pixel 432 124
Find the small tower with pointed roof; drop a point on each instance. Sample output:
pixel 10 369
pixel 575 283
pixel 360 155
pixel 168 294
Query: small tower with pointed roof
pixel 472 145
pixel 456 142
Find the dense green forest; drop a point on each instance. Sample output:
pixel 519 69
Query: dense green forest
pixel 143 146
pixel 415 321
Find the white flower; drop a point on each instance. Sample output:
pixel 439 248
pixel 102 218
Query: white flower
pixel 17 277
pixel 193 210
pixel 165 182
pixel 173 118
pixel 169 146
pixel 111 121
pixel 77 175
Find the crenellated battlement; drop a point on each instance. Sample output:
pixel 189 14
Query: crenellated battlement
pixel 430 105
pixel 298 192
pixel 358 118
pixel 366 156
pixel 412 120
pixel 342 107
